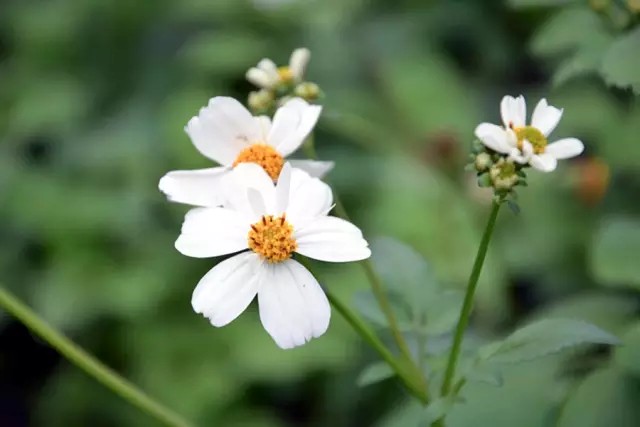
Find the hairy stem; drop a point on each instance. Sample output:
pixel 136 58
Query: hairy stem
pixel 88 363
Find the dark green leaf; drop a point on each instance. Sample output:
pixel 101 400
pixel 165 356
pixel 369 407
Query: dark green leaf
pixel 545 337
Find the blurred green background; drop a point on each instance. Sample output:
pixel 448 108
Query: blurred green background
pixel 94 96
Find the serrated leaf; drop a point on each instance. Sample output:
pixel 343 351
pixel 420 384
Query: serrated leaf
pixel 621 63
pixel 614 257
pixel 374 373
pixel 543 338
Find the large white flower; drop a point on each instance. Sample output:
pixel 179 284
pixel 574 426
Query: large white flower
pixel 528 143
pixel 227 133
pixel 272 221
pixel 267 75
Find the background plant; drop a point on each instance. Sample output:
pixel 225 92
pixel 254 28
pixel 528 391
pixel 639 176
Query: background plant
pixel 93 100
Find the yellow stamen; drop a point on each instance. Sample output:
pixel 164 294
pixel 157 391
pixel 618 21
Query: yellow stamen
pixel 264 155
pixel 533 135
pixel 285 74
pixel 272 238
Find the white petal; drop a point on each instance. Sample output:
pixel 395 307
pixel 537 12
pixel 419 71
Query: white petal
pixel 332 239
pixel 292 123
pixel 283 188
pixel 210 232
pixel 265 126
pixel 308 198
pixel 260 78
pixel 545 117
pixel 247 176
pixel 494 137
pixel 565 148
pixel 227 289
pixel 298 62
pixel 513 111
pixel 269 67
pixel 222 129
pixel 543 162
pixel 200 187
pixel 293 306
pixel 316 169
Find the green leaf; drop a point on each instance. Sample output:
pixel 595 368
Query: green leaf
pixel 437 409
pixel 539 3
pixel 545 337
pixel 374 373
pixel 605 398
pixel 621 63
pixel 614 258
pixel 627 356
pixel 485 375
pixel 563 32
pixel 366 304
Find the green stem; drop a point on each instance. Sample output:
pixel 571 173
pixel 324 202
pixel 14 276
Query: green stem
pixel 414 387
pixel 467 305
pixel 88 363
pixel 374 280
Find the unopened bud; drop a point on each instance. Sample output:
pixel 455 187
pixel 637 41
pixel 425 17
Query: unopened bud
pixel 482 162
pixel 503 175
pixel 308 91
pixel 261 100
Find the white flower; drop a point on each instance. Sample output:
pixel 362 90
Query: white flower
pixel 528 143
pixel 267 75
pixel 227 133
pixel 272 221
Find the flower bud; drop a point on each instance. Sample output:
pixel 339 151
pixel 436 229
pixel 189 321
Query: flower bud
pixel 307 91
pixel 482 162
pixel 504 175
pixel 260 101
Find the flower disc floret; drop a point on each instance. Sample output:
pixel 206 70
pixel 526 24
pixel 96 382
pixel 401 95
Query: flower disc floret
pixel 536 138
pixel 272 238
pixel 264 155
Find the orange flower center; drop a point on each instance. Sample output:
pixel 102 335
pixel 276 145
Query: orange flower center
pixel 264 155
pixel 272 238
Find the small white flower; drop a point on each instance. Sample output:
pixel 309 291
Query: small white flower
pixel 272 221
pixel 268 76
pixel 227 133
pixel 528 143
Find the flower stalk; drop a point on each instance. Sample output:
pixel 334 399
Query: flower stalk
pixel 88 363
pixel 378 292
pixel 467 305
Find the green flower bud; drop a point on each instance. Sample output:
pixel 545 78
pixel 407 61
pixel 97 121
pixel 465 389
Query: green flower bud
pixel 482 162
pixel 261 101
pixel 504 175
pixel 308 91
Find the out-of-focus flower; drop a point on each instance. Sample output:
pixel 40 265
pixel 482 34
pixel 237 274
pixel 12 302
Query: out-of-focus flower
pixel 228 134
pixel 591 180
pixel 307 90
pixel 528 143
pixel 267 75
pixel 272 221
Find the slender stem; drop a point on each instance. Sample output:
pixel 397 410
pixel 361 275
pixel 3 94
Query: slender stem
pixel 374 279
pixel 412 383
pixel 467 305
pixel 88 363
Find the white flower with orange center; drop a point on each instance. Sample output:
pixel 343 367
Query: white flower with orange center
pixel 227 133
pixel 528 143
pixel 267 223
pixel 267 75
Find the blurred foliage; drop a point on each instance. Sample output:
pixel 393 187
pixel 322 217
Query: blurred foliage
pixel 93 100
